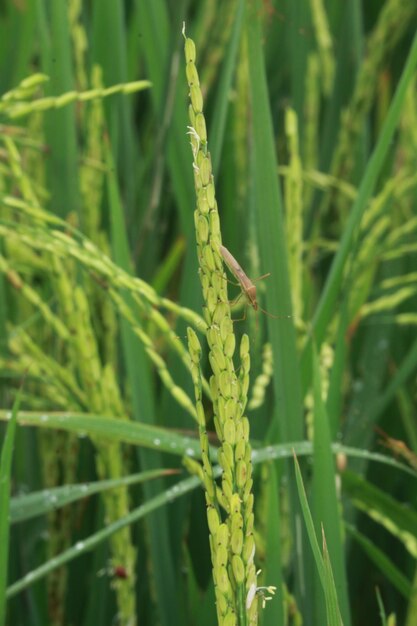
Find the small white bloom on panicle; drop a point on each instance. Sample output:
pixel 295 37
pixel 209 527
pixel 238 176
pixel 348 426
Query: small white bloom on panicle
pixel 195 148
pixel 261 592
pixel 250 596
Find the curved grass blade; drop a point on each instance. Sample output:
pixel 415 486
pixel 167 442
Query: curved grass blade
pixel 322 562
pixel 109 24
pixel 60 124
pixel 381 607
pixel 154 437
pixel 271 238
pixel 223 91
pixel 5 473
pixel 332 603
pixel 41 502
pixel 326 508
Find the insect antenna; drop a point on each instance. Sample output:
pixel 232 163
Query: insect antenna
pixel 267 275
pixel 274 317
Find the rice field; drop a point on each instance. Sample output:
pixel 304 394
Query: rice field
pixel 208 296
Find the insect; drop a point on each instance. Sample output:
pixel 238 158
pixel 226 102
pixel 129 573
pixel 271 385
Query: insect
pixel 246 284
pixel 114 571
pixel 120 572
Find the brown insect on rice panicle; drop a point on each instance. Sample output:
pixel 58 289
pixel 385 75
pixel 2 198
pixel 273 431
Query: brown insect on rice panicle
pixel 246 284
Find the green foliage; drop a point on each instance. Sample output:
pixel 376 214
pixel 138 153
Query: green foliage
pixel 131 376
pixel 5 475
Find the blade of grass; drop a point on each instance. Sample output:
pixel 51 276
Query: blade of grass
pixel 148 436
pixel 109 24
pixel 326 505
pixel 305 448
pixel 308 520
pixel 350 37
pixel 223 90
pixel 335 398
pixel 381 607
pixel 271 239
pixel 169 266
pixel 19 25
pixel 412 607
pixel 60 123
pixel 5 474
pixel 157 438
pixel 298 20
pixel 39 503
pixel 3 321
pixel 275 616
pixel 323 564
pixel 332 604
pixel 287 419
pixel 158 55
